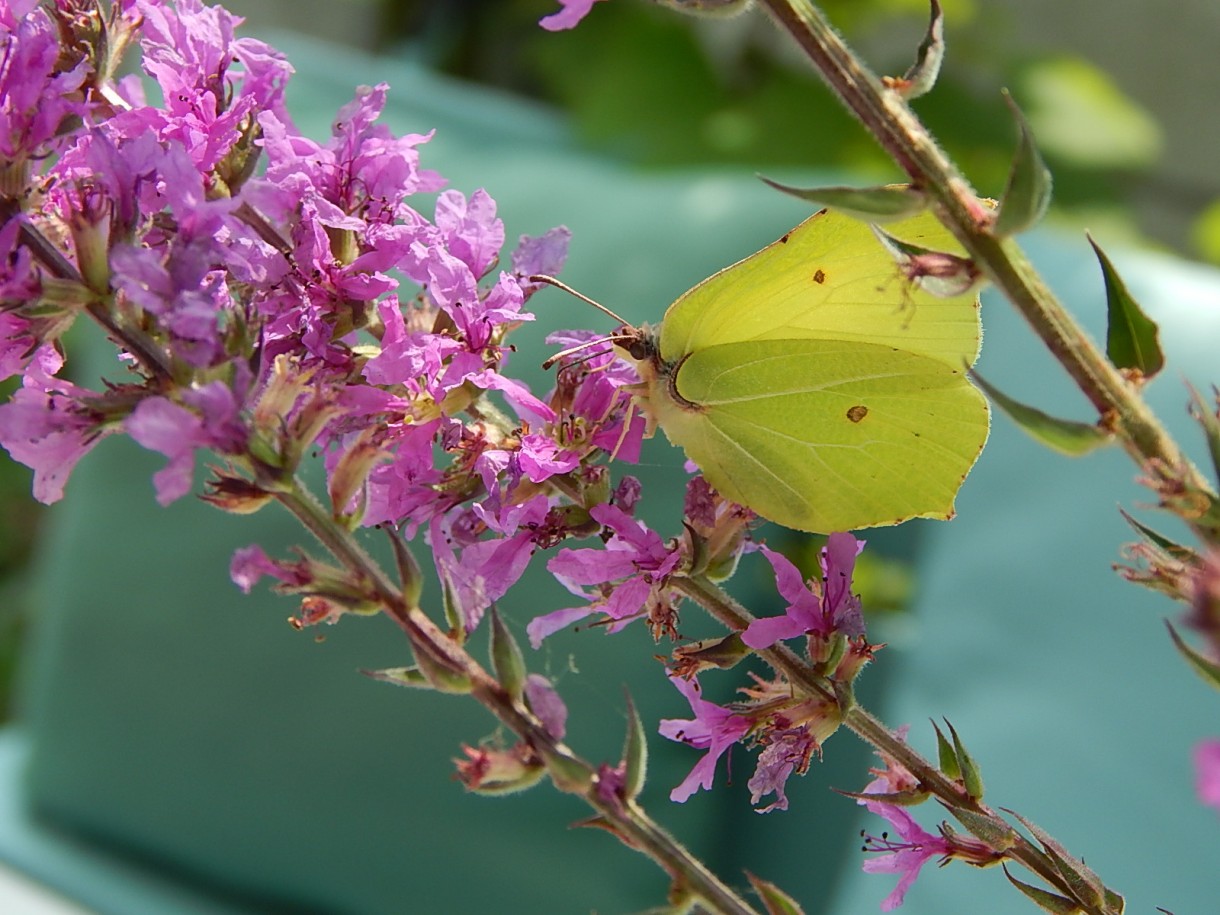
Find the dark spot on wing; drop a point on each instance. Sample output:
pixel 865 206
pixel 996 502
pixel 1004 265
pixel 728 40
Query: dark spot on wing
pixel 819 276
pixel 784 240
pixel 857 413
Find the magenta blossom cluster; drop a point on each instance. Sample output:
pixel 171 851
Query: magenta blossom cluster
pixel 273 295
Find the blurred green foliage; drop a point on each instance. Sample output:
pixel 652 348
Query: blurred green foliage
pixel 663 90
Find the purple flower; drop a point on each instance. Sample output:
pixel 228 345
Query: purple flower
pixel 906 857
pixel 567 18
pixel 471 230
pixel 1207 772
pixel 834 609
pixel 175 431
pixel 787 752
pixel 543 254
pixel 714 729
pixel 632 570
pixel 593 400
pixel 545 703
pixel 476 571
pixel 35 98
pixel 48 426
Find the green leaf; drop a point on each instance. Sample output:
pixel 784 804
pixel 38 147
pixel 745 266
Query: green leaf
pixel 1085 885
pixel 776 900
pixel 921 77
pixel 1204 666
pixel 1028 192
pixel 408 569
pixel 883 203
pixel 945 755
pixel 1131 337
pixel 1171 549
pixel 1063 435
pixel 635 753
pixel 972 778
pixel 400 676
pixel 1044 899
pixel 506 658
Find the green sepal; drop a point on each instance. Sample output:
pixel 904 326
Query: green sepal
pixel 1085 885
pixel 409 572
pixel 921 77
pixel 897 798
pixel 1171 549
pixel 506 658
pixel 453 616
pixel 1131 336
pixel 635 753
pixel 569 775
pixel 1044 899
pixel 1028 192
pixel 885 203
pixel 937 273
pixel 441 678
pixel 400 676
pixel 1063 435
pixel 972 778
pixel 1206 668
pixel 527 779
pixel 1210 422
pixel 1000 837
pixel 776 901
pixel 946 758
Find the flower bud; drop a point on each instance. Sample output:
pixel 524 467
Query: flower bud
pixel 496 771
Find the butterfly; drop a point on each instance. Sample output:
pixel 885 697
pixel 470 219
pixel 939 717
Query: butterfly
pixel 817 385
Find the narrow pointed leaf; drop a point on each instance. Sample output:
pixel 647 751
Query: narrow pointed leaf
pixel 776 900
pixel 1063 435
pixel 1172 550
pixel 635 753
pixel 1080 879
pixel 408 569
pixel 972 779
pixel 1044 899
pixel 946 758
pixel 921 77
pixel 1028 192
pixel 400 676
pixel 885 203
pixel 1210 421
pixel 506 658
pixel 1205 667
pixel 1131 336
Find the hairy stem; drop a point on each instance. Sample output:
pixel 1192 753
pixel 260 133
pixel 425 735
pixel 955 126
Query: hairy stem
pixel 626 818
pixel 884 113
pixel 871 730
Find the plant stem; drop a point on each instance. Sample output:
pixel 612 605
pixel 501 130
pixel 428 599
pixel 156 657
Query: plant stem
pixel 869 729
pixel 627 819
pixel 887 116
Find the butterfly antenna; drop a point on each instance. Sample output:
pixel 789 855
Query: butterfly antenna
pixel 577 348
pixel 559 284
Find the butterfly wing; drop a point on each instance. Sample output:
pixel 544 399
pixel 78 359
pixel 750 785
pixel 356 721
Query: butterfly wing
pixel 826 435
pixel 828 279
